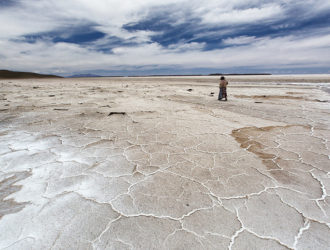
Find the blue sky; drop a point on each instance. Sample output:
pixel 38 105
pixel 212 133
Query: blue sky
pixel 132 37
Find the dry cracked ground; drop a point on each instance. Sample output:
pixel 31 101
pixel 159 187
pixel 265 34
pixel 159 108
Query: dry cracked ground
pixel 159 163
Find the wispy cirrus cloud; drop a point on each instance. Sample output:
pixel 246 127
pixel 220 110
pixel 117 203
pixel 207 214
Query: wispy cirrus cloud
pixel 88 36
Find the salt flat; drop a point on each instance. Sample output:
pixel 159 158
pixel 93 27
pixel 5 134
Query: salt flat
pixel 143 163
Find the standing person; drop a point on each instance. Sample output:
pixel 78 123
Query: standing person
pixel 223 88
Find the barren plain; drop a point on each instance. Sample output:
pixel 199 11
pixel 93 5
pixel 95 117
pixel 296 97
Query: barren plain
pixel 160 163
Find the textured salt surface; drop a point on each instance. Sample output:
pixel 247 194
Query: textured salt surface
pixel 168 169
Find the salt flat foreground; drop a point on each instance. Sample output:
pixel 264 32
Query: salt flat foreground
pixel 159 163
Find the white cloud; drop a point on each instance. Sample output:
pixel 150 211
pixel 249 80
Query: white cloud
pixel 180 47
pixel 224 16
pixel 240 40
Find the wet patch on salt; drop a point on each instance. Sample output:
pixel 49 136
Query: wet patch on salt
pixel 7 187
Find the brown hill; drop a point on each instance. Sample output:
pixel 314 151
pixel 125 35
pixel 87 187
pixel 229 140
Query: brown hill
pixel 7 74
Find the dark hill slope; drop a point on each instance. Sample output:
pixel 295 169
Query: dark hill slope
pixel 7 74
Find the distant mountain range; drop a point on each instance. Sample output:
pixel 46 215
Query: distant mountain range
pixel 242 74
pixel 215 74
pixel 84 75
pixel 7 74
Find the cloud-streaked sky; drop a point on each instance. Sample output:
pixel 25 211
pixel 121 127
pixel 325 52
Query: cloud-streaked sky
pixel 129 37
